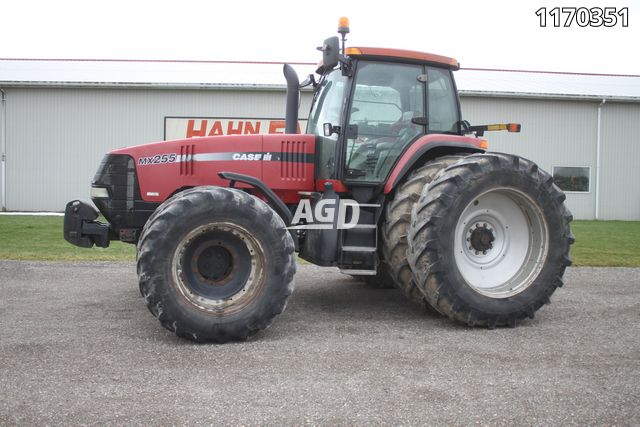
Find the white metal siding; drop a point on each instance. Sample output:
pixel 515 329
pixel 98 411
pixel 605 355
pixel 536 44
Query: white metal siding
pixel 554 133
pixel 2 150
pixel 56 137
pixel 620 162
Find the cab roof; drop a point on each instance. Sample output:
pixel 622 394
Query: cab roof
pixel 407 55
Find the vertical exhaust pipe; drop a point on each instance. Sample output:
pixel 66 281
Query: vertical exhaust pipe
pixel 293 99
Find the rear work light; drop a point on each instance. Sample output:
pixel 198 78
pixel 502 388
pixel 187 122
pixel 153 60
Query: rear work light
pixel 480 130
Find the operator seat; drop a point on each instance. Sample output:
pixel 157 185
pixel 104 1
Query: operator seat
pixel 388 152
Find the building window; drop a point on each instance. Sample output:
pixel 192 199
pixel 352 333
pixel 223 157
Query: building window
pixel 571 178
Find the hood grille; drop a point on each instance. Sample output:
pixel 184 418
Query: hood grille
pixel 186 159
pixel 292 156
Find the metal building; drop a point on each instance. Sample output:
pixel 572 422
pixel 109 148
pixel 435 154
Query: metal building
pixel 58 118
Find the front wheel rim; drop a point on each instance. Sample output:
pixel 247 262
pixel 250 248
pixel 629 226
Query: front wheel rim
pixel 230 279
pixel 501 242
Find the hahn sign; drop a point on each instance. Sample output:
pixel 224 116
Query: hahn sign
pixel 187 127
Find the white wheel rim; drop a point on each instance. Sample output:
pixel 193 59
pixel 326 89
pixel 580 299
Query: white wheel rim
pixel 501 243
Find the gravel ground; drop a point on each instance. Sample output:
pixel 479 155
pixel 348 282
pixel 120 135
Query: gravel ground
pixel 78 346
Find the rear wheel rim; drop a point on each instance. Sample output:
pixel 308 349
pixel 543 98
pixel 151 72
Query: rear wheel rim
pixel 219 268
pixel 501 243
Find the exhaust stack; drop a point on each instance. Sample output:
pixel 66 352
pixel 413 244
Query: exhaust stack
pixel 293 99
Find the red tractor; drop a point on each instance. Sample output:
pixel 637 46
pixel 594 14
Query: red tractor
pixel 389 184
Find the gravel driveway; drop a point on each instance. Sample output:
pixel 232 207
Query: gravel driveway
pixel 78 346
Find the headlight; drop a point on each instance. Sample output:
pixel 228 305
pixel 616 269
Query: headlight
pixel 99 193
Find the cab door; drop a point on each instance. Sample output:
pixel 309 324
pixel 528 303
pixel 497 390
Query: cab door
pixel 386 113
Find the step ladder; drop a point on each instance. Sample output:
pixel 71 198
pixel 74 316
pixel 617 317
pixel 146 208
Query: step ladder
pixel 359 245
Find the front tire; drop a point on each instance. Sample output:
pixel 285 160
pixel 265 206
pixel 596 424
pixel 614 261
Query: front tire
pixel 215 264
pixel 489 240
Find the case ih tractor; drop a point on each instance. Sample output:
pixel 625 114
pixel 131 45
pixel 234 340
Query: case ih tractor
pixel 403 190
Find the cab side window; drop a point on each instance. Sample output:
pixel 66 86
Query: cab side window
pixel 442 102
pixel 385 101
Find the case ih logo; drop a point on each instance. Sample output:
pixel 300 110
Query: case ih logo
pixel 324 215
pixel 185 127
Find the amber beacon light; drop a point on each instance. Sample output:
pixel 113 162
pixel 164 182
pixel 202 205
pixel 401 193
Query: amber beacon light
pixel 343 26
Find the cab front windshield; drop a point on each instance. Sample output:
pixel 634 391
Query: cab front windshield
pixel 327 108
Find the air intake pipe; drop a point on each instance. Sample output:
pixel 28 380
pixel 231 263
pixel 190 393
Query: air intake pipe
pixel 293 99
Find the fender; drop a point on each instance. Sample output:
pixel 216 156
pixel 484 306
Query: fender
pixel 277 204
pixel 424 147
pixel 273 200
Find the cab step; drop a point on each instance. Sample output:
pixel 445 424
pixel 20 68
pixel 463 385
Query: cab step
pixel 356 272
pixel 359 248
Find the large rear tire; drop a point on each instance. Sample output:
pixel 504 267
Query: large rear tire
pixel 215 264
pixel 396 225
pixel 489 241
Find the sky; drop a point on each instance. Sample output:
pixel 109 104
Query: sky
pixel 492 34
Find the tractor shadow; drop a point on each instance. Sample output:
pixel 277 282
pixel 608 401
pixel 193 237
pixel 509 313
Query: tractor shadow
pixel 323 302
pixel 343 296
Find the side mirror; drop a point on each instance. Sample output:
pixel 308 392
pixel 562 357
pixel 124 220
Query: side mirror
pixel 330 52
pixel 328 129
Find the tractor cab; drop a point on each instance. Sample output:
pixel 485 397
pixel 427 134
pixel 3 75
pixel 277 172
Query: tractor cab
pixel 371 104
pixel 369 110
